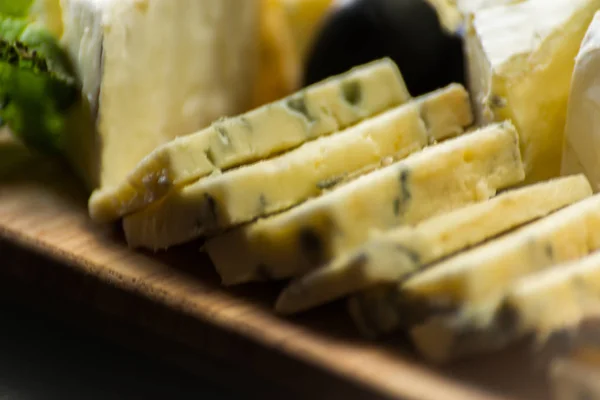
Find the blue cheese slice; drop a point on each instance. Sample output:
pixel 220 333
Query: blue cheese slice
pixel 442 177
pixel 393 255
pixel 318 110
pixel 520 60
pixel 542 304
pixel 276 184
pixel 469 285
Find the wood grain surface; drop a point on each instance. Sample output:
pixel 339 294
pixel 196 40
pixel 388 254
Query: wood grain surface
pixel 48 245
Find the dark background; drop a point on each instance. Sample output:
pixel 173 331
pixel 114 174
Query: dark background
pixel 45 358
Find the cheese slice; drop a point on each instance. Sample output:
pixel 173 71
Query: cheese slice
pixel 279 183
pixel 581 149
pixel 476 279
pixel 437 179
pixel 317 110
pixel 520 61
pixel 394 255
pixel 547 303
pixel 144 85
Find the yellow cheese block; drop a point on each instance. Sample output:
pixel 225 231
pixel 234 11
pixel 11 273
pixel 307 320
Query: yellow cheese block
pixel 473 281
pixel 520 60
pixel 442 177
pixel 276 184
pixel 318 110
pixel 393 255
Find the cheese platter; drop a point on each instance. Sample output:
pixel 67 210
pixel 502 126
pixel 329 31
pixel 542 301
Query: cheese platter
pixel 418 220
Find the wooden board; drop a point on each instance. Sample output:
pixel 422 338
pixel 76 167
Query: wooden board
pixel 47 241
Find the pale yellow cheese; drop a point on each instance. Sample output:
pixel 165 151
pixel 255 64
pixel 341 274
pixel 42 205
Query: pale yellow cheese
pixel 393 255
pixel 549 302
pixel 276 184
pixel 145 85
pixel 474 280
pixel 520 61
pixel 442 177
pixel 318 110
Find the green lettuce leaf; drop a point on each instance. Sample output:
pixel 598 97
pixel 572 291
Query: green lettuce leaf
pixel 15 8
pixel 37 85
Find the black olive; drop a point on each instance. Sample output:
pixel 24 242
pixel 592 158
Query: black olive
pixel 407 31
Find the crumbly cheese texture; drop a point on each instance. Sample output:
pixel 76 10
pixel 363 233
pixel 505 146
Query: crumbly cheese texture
pixel 264 188
pixel 442 177
pixel 550 302
pixel 520 60
pixel 471 282
pixel 320 109
pixel 559 298
pixel 146 86
pixel 581 151
pixel 393 255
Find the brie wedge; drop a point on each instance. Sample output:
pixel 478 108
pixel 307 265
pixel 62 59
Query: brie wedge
pixel 581 152
pixel 520 60
pixel 153 70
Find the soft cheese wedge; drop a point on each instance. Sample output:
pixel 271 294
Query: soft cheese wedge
pixel 276 184
pixel 520 59
pixel 545 303
pixel 317 110
pixel 146 85
pixel 437 179
pixel 581 152
pixel 475 279
pixel 394 255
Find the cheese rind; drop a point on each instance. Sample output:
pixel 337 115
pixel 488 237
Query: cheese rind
pixel 393 255
pixel 520 61
pixel 582 143
pixel 317 110
pixel 276 184
pixel 437 179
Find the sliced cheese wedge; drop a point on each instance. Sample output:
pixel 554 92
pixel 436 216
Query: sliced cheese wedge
pixel 472 282
pixel 145 86
pixel 394 255
pixel 520 61
pixel 279 183
pixel 442 177
pixel 555 300
pixel 318 110
pixel 581 149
